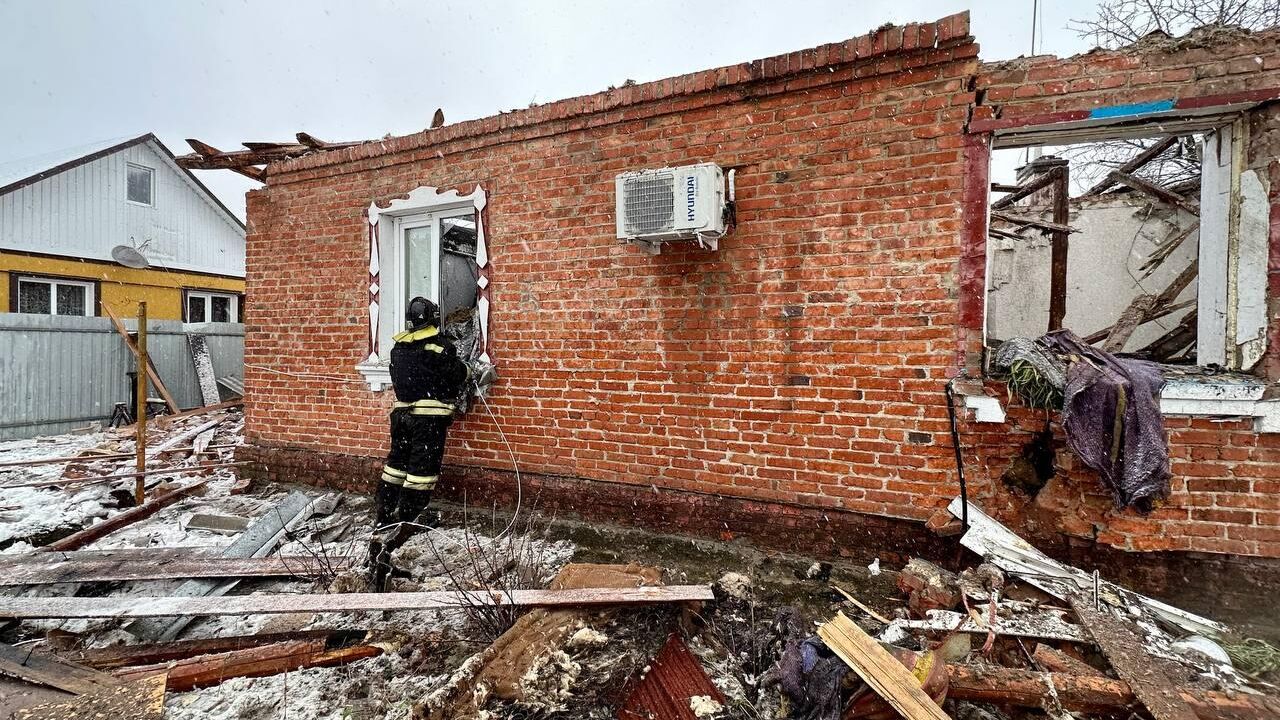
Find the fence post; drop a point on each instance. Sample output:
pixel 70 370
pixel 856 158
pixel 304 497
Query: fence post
pixel 140 422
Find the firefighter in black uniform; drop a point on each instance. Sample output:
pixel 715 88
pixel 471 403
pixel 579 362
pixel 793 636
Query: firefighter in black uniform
pixel 428 378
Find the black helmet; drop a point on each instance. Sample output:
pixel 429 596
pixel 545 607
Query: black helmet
pixel 422 311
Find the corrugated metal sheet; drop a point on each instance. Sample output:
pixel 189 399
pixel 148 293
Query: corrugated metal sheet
pixel 61 373
pixel 675 676
pixel 82 212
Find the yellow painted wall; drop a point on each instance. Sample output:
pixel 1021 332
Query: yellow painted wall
pixel 122 288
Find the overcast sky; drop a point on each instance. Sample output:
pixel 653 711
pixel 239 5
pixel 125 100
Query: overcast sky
pixel 228 71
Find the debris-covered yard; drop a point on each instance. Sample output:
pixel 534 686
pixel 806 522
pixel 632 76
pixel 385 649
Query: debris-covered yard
pixel 1018 635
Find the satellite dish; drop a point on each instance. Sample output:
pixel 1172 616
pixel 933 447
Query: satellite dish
pixel 129 257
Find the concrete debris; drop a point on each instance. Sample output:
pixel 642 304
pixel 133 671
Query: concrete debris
pixel 735 584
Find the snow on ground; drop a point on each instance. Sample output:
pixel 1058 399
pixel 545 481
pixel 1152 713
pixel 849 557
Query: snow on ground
pixel 27 512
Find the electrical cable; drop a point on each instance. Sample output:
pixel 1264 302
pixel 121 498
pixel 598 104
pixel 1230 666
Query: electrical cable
pixel 955 443
pixel 316 376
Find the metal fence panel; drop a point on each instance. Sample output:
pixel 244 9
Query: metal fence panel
pixel 62 373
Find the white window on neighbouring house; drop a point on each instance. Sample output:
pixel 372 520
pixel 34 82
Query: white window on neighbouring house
pixel 141 184
pixel 202 306
pixel 55 296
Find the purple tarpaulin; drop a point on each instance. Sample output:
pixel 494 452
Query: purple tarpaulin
pixel 1111 414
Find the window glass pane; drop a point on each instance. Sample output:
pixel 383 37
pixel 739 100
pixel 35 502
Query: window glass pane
pixel 458 234
pixel 71 299
pixel 140 184
pixel 195 309
pixel 34 297
pixel 221 306
pixel 417 266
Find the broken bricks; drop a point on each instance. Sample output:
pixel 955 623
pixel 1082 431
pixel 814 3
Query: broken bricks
pixel 929 587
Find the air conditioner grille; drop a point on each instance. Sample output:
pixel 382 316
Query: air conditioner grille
pixel 650 203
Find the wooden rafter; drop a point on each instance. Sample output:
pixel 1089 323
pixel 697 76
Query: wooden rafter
pixel 1037 223
pixel 1155 191
pixel 249 162
pixel 1136 162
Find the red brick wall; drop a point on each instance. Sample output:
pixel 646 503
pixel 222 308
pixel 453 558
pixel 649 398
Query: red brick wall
pixel 802 363
pixel 1226 487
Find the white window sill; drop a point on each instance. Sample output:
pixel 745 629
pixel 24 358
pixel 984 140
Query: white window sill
pixel 376 374
pixel 1201 397
pixel 1233 397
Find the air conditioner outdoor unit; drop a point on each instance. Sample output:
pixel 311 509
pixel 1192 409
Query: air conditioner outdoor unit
pixel 682 203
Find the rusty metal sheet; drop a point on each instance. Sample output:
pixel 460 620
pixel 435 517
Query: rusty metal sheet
pixel 675 676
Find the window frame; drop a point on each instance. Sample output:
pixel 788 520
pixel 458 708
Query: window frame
pixel 386 269
pixel 151 184
pixel 207 296
pixel 92 293
pixel 1231 123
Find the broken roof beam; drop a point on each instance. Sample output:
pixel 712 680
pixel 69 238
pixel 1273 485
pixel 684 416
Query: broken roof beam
pixel 1156 192
pixel 311 141
pixel 1040 182
pixel 1037 223
pixel 132 569
pixel 128 517
pixel 1132 164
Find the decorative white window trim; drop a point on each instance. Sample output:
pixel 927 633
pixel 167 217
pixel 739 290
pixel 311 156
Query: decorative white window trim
pixel 426 199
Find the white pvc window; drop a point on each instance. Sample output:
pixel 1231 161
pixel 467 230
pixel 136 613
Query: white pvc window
pixel 140 185
pixel 212 307
pixel 49 296
pixel 437 254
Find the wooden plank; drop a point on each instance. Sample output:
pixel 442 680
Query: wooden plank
pixel 1038 183
pixel 210 670
pixel 128 517
pixel 157 554
pixel 1124 650
pixel 166 419
pixel 1155 192
pixel 859 604
pixel 1057 661
pixel 96 458
pixel 1163 304
pixel 139 700
pixel 119 656
pixel 1060 240
pixel 1025 221
pixel 1129 166
pixel 94 479
pixel 184 437
pixel 203 365
pixel 151 370
pixel 1130 319
pixel 880 670
pixel 44 669
pixel 27 608
pixel 1089 694
pixel 301 566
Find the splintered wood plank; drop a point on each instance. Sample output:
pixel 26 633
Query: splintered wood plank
pixel 134 568
pixel 128 517
pixel 139 700
pixel 880 670
pixel 1124 650
pixel 270 604
pixel 120 656
pixel 210 670
pixel 43 669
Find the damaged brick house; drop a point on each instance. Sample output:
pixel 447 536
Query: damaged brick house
pixel 787 386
